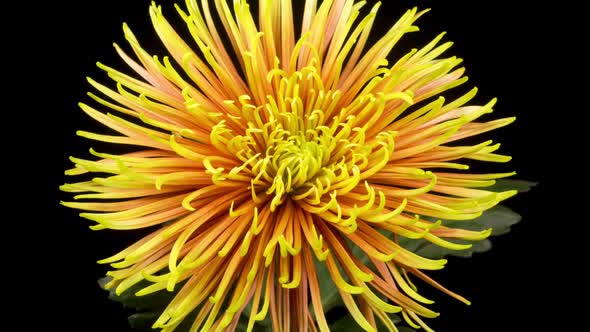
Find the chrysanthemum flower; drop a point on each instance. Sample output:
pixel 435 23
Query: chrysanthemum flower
pixel 288 149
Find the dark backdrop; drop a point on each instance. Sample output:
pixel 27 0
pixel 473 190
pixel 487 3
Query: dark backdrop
pixel 502 45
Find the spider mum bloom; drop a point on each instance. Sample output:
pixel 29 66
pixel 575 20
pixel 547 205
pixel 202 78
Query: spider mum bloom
pixel 289 149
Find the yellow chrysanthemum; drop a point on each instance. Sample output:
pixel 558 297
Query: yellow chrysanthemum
pixel 260 160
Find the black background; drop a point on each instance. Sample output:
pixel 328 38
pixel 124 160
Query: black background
pixel 506 49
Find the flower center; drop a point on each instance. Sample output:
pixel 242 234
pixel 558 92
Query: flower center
pixel 303 143
pixel 293 163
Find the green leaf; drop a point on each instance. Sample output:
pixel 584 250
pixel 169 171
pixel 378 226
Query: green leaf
pixel 433 251
pixel 329 293
pixel 261 325
pixel 345 324
pixel 143 321
pixel 243 325
pixel 395 318
pixel 510 184
pixel 498 218
pixel 128 298
pixel 149 307
pixel 186 324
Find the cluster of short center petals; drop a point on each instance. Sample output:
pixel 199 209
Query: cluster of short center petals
pixel 301 147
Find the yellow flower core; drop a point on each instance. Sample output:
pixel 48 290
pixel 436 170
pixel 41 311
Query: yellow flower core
pixel 259 162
